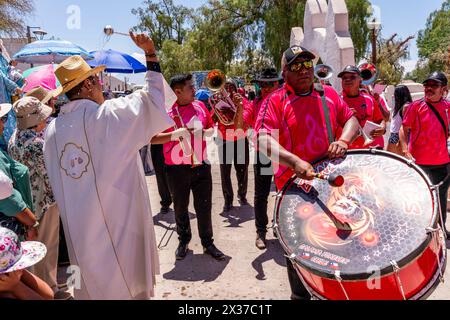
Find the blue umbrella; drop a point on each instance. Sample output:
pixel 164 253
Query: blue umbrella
pixel 116 62
pixel 203 95
pixel 49 51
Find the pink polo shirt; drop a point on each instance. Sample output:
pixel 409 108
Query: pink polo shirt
pixel 173 152
pixel 298 123
pixel 428 141
pixel 366 110
pixel 251 112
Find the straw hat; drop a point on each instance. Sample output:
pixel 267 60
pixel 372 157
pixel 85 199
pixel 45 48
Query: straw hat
pixel 42 94
pixel 73 71
pixel 30 112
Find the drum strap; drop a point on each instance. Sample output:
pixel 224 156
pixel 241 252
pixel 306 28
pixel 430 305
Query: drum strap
pixel 439 118
pixel 326 111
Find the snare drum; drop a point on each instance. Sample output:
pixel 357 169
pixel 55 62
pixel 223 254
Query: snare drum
pixel 395 248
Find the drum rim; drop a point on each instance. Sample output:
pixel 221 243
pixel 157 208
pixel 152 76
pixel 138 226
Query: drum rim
pixel 389 269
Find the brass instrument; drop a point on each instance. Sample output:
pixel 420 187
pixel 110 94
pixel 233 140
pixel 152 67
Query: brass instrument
pixel 221 101
pixel 369 73
pixel 323 72
pixel 186 146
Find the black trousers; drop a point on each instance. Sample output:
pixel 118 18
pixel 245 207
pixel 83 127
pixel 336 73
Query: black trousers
pixel 299 291
pixel 183 179
pixel 161 176
pixel 437 174
pixel 236 152
pixel 263 182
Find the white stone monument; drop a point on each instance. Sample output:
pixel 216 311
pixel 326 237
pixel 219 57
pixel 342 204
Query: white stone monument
pixel 326 33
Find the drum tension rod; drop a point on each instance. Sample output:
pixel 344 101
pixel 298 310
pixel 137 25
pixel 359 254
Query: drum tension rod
pixel 397 276
pixel 337 275
pixel 435 234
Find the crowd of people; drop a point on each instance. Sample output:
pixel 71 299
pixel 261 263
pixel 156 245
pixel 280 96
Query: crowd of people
pixel 82 169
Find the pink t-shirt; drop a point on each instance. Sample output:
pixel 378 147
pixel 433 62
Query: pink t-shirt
pixel 173 152
pixel 229 133
pixel 251 112
pixel 428 141
pixel 299 124
pixel 366 110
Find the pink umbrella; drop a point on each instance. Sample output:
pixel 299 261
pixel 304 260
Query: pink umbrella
pixel 43 76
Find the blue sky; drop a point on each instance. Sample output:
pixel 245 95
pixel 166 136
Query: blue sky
pixel 404 17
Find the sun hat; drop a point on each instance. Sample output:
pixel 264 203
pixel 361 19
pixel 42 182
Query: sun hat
pixel 42 94
pixel 73 71
pixel 268 75
pixel 16 255
pixel 5 108
pixel 30 112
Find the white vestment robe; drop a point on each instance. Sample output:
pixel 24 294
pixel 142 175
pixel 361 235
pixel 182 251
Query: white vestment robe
pixel 92 159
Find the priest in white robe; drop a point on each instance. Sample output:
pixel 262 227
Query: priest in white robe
pixel 92 157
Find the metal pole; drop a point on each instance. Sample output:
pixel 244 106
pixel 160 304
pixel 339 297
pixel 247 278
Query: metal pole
pixel 29 39
pixel 374 46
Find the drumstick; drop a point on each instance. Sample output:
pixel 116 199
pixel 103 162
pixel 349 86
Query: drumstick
pixel 333 179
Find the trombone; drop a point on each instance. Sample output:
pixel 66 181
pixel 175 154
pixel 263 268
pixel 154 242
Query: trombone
pixel 186 146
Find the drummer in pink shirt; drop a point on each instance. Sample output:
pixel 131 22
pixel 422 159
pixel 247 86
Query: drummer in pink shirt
pixel 427 125
pixel 294 130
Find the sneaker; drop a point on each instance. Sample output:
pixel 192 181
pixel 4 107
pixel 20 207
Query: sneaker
pixel 243 202
pixel 63 295
pixel 182 251
pixel 165 210
pixel 261 243
pixel 214 252
pixel 227 207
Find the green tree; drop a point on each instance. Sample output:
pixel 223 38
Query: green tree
pixel 433 42
pixel 12 13
pixel 390 54
pixel 163 21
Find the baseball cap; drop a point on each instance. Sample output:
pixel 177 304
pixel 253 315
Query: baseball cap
pixel 438 77
pixel 295 52
pixel 349 69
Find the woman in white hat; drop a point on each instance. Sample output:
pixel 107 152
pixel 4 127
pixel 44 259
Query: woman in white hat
pixel 15 257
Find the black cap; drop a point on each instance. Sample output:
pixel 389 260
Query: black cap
pixel 349 69
pixel 438 77
pixel 295 52
pixel 268 75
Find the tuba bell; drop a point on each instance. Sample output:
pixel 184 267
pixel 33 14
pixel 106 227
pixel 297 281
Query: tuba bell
pixel 221 101
pixel 323 72
pixel 369 73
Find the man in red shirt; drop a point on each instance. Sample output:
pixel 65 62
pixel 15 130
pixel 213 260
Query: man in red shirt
pixel 268 81
pixel 186 173
pixel 296 127
pixel 233 147
pixel 364 106
pixel 427 123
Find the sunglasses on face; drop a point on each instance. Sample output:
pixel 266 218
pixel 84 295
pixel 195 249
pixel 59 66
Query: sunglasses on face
pixel 432 86
pixel 349 78
pixel 297 66
pixel 267 84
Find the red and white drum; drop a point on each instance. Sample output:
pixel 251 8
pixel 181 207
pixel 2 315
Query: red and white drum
pixel 395 249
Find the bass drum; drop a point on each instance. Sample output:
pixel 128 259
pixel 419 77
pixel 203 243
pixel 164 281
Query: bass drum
pixel 395 248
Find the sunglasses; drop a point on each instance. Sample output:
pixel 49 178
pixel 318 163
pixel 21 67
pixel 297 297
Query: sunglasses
pixel 266 84
pixel 433 86
pixel 4 119
pixel 297 66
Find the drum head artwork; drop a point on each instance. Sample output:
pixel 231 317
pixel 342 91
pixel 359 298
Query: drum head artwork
pixel 387 203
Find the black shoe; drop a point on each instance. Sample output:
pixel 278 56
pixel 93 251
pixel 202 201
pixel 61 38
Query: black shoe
pixel 227 207
pixel 243 202
pixel 182 251
pixel 165 210
pixel 214 252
